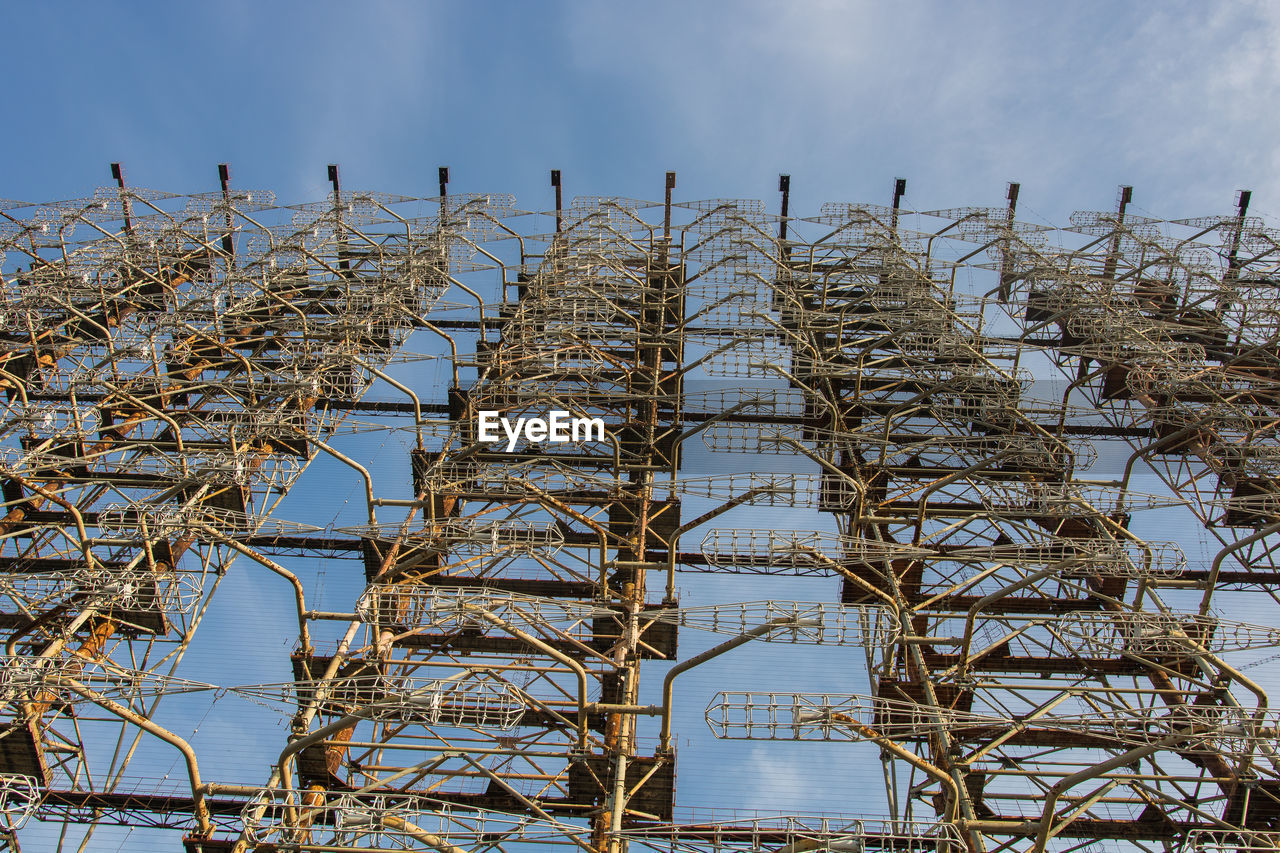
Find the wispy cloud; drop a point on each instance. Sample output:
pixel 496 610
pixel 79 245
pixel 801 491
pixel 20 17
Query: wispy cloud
pixel 1071 100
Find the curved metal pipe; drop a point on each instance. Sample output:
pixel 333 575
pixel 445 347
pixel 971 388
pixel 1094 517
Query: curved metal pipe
pixel 348 461
pixel 188 754
pixel 1216 567
pixel 668 682
pixel 1062 785
pixel 267 563
pixel 417 404
pixel 578 670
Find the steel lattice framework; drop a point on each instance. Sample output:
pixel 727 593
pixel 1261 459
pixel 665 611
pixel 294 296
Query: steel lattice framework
pixel 931 401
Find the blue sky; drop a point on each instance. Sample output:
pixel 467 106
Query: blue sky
pixel 1070 99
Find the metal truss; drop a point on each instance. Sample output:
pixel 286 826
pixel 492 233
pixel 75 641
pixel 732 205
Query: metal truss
pixel 918 409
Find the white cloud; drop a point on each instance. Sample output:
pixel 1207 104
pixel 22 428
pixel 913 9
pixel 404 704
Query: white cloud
pixel 1071 100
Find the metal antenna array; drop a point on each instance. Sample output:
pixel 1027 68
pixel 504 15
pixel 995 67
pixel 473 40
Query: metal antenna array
pixel 919 415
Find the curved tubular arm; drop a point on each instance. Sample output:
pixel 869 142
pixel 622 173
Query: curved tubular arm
pixel 1062 785
pixel 194 334
pixel 963 802
pixel 1138 269
pixel 951 478
pixel 706 309
pixel 18 383
pixel 1166 441
pixel 932 771
pixel 188 754
pixel 602 533
pixel 477 297
pixel 262 229
pixel 745 497
pixel 348 461
pixel 240 548
pixel 889 601
pixel 685 436
pixel 502 267
pixel 453 346
pixel 962 666
pixel 282 769
pixel 106 332
pixel 58 642
pixel 668 683
pixel 578 670
pixel 89 559
pixel 499 224
pixel 1214 569
pixel 1078 382
pixel 437 842
pixel 715 352
pixel 818 397
pixel 795 342
pixel 684 528
pixel 124 393
pixel 827 465
pixel 417 404
pixel 928 247
pixel 1004 242
pixel 303 720
pixel 173 425
pixel 1209 661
